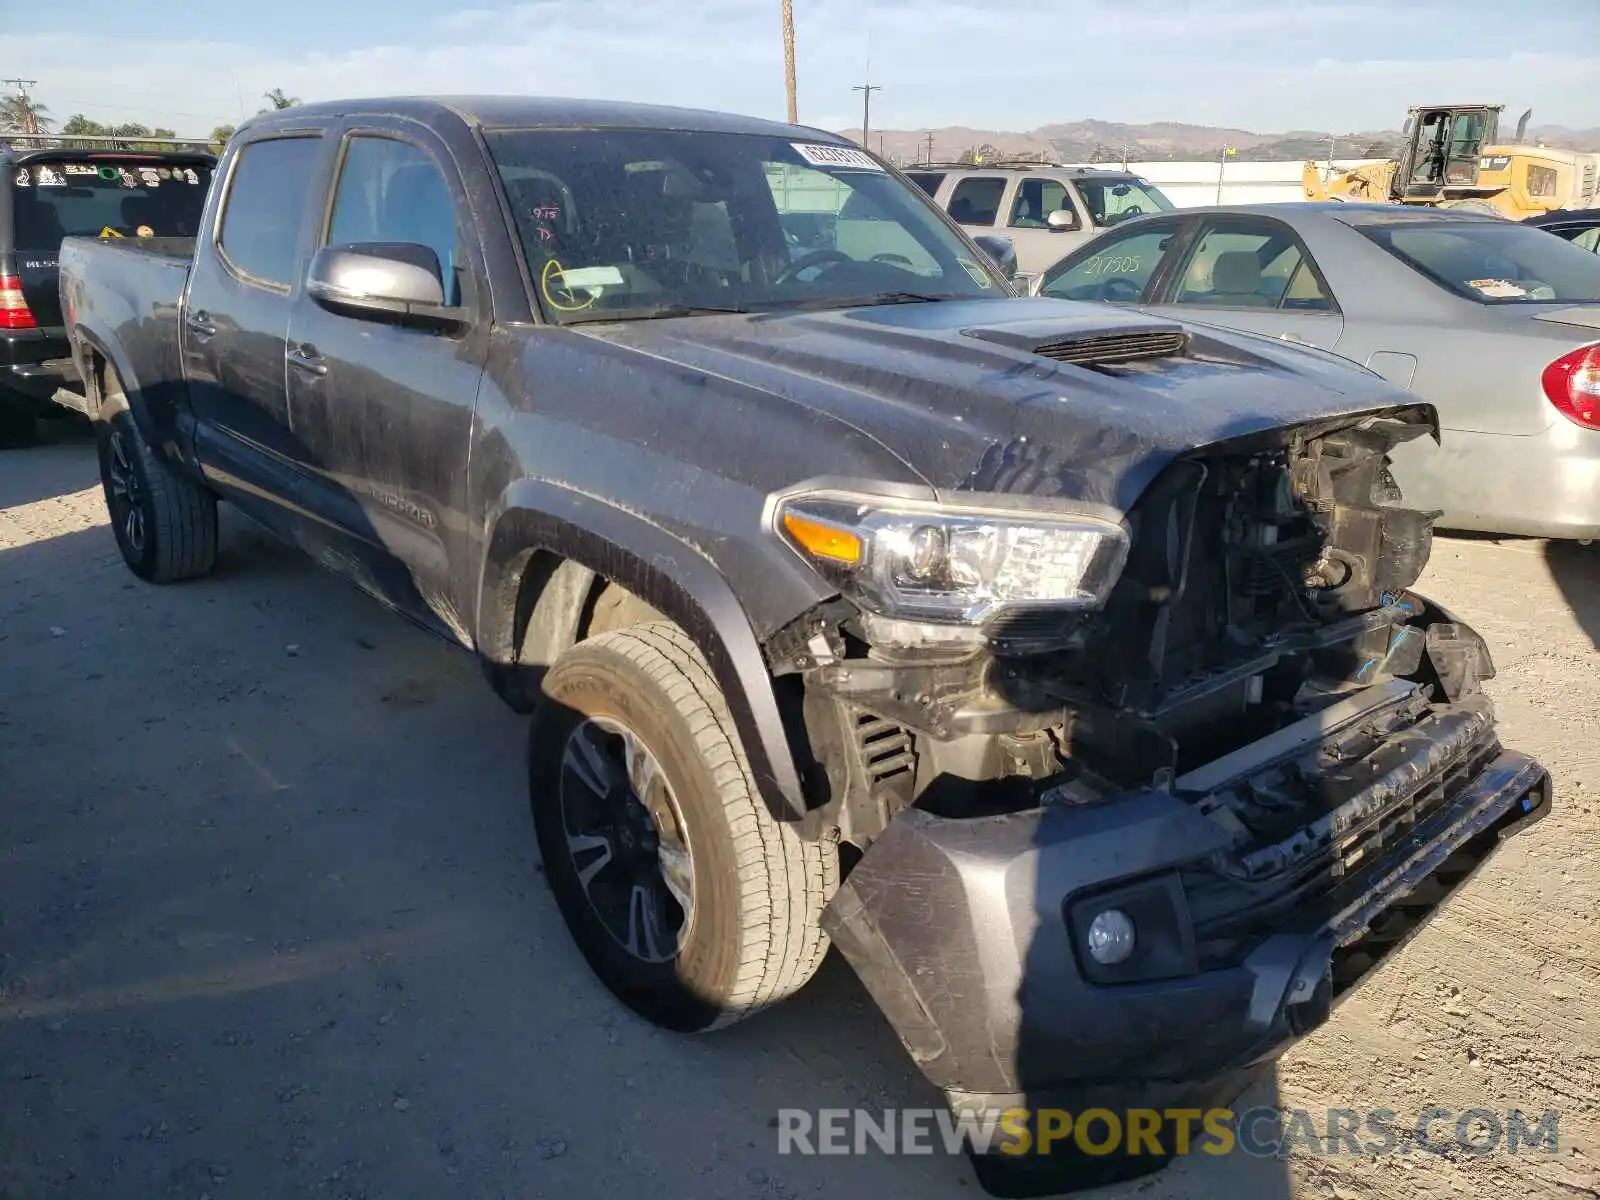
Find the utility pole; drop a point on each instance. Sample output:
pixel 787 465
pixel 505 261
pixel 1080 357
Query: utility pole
pixel 866 90
pixel 30 122
pixel 788 60
pixel 930 149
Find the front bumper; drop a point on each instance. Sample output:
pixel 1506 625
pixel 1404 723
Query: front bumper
pixel 959 929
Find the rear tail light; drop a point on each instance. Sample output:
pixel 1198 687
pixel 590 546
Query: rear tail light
pixel 1572 384
pixel 14 312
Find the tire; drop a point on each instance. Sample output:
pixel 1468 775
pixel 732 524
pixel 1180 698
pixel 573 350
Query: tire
pixel 1471 204
pixel 164 522
pixel 750 933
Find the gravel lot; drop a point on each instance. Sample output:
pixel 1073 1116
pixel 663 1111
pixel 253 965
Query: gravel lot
pixel 272 922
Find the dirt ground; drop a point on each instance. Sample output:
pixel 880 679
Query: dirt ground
pixel 272 923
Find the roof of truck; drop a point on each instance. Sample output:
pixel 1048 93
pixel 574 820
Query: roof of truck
pixel 532 112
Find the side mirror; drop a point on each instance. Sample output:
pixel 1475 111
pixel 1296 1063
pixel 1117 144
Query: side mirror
pixel 1000 251
pixel 379 279
pixel 1061 220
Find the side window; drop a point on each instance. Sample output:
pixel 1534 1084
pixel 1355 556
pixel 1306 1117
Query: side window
pixel 261 219
pixel 1250 266
pixel 1036 200
pixel 976 201
pixel 818 211
pixel 1589 240
pixel 1118 271
pixel 928 181
pixel 392 191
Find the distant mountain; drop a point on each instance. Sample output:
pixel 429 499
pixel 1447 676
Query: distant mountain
pixel 1109 141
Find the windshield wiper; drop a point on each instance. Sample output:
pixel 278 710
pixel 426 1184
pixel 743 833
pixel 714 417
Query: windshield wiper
pixel 907 298
pixel 653 313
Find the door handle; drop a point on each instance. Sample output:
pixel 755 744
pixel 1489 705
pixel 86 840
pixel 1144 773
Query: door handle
pixel 308 360
pixel 200 325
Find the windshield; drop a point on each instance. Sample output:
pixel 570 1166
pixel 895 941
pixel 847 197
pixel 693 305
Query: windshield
pixel 620 224
pixel 1113 200
pixel 1494 262
pixel 105 196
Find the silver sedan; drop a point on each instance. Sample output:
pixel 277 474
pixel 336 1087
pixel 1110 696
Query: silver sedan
pixel 1494 323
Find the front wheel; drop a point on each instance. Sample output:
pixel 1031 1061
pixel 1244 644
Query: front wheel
pixel 688 899
pixel 165 523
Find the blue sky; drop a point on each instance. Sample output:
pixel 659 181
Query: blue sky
pixel 1263 65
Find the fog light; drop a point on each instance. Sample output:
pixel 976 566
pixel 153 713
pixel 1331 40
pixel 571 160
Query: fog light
pixel 1111 937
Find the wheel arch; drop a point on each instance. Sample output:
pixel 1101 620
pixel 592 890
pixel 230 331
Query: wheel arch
pixel 550 552
pixel 95 357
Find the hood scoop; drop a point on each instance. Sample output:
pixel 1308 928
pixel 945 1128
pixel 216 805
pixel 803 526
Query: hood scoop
pixel 1101 343
pixel 1110 349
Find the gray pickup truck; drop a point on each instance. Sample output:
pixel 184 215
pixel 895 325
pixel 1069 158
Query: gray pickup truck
pixel 1058 664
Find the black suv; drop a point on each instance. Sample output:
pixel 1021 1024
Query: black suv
pixel 64 192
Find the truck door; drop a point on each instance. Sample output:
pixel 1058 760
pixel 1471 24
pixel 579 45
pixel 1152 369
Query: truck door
pixel 244 280
pixel 383 407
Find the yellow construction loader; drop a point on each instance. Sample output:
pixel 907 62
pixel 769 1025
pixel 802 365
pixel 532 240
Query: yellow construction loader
pixel 1452 159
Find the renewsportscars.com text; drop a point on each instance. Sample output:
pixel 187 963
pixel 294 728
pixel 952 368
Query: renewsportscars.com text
pixel 1261 1132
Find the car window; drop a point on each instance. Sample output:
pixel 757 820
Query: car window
pixel 928 181
pixel 1589 239
pixel 132 197
pixel 635 224
pixel 976 200
pixel 1111 201
pixel 1114 268
pixel 266 195
pixel 1493 262
pixel 392 191
pixel 1249 266
pixel 1036 200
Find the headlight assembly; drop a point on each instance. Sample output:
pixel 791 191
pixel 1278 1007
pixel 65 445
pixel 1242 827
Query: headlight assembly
pixel 956 563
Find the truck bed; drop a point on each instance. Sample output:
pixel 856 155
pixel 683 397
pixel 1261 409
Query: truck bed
pixel 131 289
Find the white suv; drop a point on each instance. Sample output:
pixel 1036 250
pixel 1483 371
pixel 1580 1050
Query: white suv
pixel 1045 211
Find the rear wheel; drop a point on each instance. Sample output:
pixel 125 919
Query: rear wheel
pixel 165 523
pixel 688 899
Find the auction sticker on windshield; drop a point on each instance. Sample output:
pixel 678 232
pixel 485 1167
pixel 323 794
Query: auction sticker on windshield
pixel 835 156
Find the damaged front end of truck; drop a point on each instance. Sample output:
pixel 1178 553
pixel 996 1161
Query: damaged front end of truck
pixel 1122 848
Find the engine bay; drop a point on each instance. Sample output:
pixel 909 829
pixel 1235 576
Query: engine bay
pixel 1265 582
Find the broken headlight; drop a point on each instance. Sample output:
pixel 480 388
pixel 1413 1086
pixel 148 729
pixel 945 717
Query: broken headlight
pixel 954 563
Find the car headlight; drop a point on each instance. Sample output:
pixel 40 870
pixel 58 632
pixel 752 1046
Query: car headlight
pixel 958 563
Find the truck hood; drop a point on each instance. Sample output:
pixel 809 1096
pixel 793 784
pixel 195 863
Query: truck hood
pixel 957 390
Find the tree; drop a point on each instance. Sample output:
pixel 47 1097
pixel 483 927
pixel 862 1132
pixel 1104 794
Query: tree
pixel 280 100
pixel 981 154
pixel 129 136
pixel 219 137
pixel 23 114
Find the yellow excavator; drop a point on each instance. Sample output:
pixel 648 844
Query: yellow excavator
pixel 1452 159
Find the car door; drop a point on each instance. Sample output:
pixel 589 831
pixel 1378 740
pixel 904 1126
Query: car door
pixel 1038 244
pixel 236 314
pixel 384 405
pixel 1254 274
pixel 1123 267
